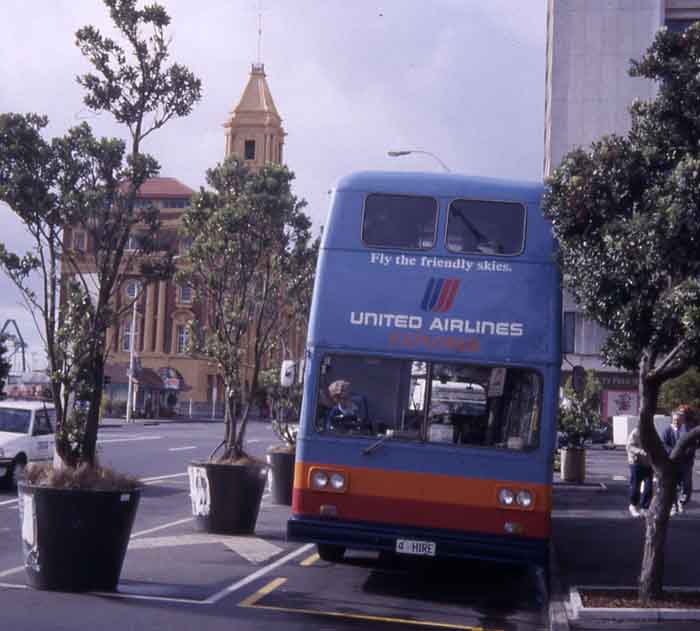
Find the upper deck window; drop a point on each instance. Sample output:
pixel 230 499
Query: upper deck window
pixel 399 221
pixel 481 227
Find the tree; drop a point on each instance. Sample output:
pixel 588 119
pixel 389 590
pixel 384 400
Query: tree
pixel 80 182
pixel 250 262
pixel 626 214
pixel 4 365
pixel 683 390
pixel 579 414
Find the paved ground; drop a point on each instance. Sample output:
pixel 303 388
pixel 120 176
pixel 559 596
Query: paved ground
pixel 597 542
pixel 175 578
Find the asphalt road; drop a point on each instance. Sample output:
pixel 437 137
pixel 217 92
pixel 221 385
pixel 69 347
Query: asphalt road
pixel 175 578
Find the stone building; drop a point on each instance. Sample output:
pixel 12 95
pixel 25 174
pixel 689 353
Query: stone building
pixel 587 94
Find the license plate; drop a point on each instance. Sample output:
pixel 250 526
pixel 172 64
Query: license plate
pixel 421 548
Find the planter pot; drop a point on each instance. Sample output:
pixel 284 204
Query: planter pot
pixel 281 463
pixel 75 540
pixel 573 464
pixel 226 497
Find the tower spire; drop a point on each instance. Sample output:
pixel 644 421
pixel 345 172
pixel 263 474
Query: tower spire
pixel 260 23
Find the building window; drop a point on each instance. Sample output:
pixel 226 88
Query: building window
pixel 582 336
pixel 133 242
pixel 183 338
pixel 185 292
pixel 127 336
pixel 79 241
pixel 132 289
pixel 568 332
pixel 185 245
pixel 678 25
pixel 249 152
pixel 280 153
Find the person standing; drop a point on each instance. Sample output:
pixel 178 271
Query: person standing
pixel 641 475
pixel 671 436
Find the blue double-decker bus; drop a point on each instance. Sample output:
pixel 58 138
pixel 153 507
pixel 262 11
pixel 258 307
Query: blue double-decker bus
pixel 432 372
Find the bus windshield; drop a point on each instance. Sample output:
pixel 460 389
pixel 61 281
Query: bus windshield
pixel 433 402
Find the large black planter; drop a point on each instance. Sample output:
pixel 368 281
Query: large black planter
pixel 75 540
pixel 281 463
pixel 226 497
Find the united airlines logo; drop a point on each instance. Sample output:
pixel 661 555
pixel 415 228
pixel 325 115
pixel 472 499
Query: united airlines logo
pixel 440 294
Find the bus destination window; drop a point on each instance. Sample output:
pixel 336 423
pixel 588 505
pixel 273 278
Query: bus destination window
pixel 399 221
pixel 482 227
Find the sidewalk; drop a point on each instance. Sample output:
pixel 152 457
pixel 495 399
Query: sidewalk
pixel 597 542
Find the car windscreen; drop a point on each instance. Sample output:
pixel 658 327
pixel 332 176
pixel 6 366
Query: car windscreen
pixel 14 420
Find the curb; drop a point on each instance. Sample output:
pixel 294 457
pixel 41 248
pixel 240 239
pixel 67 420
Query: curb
pixel 558 618
pixel 637 614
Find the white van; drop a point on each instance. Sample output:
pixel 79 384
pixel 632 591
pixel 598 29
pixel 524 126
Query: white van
pixel 26 435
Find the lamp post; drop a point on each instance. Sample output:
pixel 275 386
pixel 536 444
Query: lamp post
pixel 132 345
pixel 406 152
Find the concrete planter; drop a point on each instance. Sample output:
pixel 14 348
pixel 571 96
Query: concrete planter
pixel 573 464
pixel 75 540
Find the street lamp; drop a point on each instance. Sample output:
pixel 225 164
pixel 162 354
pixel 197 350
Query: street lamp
pixel 132 346
pixel 406 152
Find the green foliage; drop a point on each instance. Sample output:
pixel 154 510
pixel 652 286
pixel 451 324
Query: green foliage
pixel 286 405
pixel 81 182
pixel 252 260
pixel 580 415
pixel 683 390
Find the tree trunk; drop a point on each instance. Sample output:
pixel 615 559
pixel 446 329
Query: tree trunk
pixel 93 415
pixel 652 574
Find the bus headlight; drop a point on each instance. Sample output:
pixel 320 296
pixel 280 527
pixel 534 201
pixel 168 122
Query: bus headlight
pixel 506 497
pixel 524 499
pixel 319 479
pixel 337 481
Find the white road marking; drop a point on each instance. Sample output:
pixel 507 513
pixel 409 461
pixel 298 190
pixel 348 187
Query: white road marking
pixel 164 477
pixel 256 575
pixel 252 549
pixel 182 448
pixel 163 527
pixel 7 502
pixel 12 570
pixel 619 478
pixel 127 440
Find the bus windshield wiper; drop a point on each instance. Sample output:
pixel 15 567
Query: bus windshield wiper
pixel 377 443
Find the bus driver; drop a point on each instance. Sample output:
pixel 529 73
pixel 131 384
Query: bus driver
pixel 349 411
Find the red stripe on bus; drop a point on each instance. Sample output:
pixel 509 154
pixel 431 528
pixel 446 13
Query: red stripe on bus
pixel 423 514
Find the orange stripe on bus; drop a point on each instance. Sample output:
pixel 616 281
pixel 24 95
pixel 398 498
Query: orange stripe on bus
pixel 411 485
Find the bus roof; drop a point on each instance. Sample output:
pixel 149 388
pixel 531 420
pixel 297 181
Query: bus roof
pixel 440 184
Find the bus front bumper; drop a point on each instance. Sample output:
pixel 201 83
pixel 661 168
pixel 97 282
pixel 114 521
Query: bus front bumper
pixel 448 544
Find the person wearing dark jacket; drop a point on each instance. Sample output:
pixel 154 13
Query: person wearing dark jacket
pixel 671 436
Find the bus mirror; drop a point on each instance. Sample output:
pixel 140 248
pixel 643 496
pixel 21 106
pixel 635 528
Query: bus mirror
pixel 287 373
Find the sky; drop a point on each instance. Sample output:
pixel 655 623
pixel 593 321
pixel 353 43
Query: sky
pixel 462 79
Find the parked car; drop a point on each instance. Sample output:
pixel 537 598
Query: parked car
pixel 26 435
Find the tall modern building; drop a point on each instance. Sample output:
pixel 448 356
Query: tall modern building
pixel 588 91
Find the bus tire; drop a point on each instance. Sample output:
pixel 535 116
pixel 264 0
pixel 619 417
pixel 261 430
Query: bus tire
pixel 330 553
